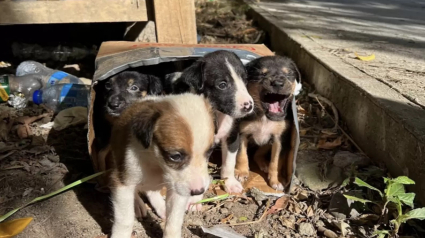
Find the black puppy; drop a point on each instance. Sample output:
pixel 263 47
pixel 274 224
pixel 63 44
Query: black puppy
pixel 113 96
pixel 221 77
pixel 273 82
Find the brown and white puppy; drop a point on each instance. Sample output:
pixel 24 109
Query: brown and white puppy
pixel 221 77
pixel 156 142
pixel 272 83
pixel 114 95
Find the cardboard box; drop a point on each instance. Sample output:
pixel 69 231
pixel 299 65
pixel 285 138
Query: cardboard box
pixel 115 57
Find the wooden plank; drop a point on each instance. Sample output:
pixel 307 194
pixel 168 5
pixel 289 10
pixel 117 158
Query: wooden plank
pixel 72 11
pixel 175 21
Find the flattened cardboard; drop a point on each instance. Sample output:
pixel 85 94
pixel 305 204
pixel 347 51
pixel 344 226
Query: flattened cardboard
pixel 115 57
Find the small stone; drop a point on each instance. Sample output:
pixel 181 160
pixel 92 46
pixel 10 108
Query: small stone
pixel 224 210
pixel 310 175
pixel 306 229
pixel 228 205
pixel 320 223
pixel 344 159
pixel 195 222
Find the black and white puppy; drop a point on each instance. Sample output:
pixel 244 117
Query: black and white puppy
pixel 222 78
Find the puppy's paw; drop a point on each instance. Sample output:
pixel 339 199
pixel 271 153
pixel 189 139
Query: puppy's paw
pixel 191 204
pixel 276 185
pixel 232 185
pixel 242 175
pixel 140 208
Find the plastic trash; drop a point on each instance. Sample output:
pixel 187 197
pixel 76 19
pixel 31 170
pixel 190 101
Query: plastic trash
pixel 62 96
pixel 47 75
pixel 26 85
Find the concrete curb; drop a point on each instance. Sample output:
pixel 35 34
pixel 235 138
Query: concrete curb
pixel 387 127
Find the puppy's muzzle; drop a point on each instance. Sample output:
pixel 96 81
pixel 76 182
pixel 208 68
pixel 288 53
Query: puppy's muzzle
pixel 195 192
pixel 278 83
pixel 116 102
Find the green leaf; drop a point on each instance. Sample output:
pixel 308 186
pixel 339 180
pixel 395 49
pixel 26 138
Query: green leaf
pixel 345 182
pixel 243 218
pixel 362 183
pixel 407 198
pixel 394 189
pixel 381 233
pixel 418 213
pixel 216 198
pixel 398 204
pixel 356 199
pixel 403 180
pixel 78 182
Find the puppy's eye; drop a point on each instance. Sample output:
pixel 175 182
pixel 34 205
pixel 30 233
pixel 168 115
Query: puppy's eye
pixel 108 85
pixel 176 157
pixel 222 85
pixel 134 88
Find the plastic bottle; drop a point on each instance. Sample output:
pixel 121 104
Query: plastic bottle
pixel 48 76
pixel 62 96
pixel 26 85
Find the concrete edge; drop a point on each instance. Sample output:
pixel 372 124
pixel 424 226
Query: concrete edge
pixel 387 127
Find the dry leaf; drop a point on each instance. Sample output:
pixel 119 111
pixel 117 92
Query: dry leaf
pixel 365 58
pixel 14 227
pixel 329 145
pixel 303 131
pixel 287 223
pixel 226 219
pixel 280 204
pixel 310 211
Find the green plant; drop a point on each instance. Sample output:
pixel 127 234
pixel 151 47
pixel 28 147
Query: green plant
pixel 395 194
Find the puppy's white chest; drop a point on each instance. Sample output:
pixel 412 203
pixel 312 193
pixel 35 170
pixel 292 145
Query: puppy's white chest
pixel 225 124
pixel 261 131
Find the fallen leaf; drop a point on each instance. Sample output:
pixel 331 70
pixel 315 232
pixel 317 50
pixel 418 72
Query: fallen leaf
pixel 303 131
pixel 14 227
pixel 226 219
pixel 365 58
pixel 287 223
pixel 310 211
pixel 222 231
pixel 27 192
pixel 280 204
pixel 342 226
pixel 22 132
pixel 329 145
pixel 243 218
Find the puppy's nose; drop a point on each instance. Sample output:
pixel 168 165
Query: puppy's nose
pixel 247 106
pixel 278 83
pixel 115 103
pixel 195 192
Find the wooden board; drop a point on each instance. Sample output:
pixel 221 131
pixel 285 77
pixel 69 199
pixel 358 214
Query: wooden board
pixel 72 11
pixel 175 21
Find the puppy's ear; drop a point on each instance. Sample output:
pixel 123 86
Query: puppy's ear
pixel 155 85
pixel 193 77
pixel 143 125
pixel 298 78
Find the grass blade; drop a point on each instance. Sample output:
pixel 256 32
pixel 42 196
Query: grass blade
pixel 217 198
pixel 78 182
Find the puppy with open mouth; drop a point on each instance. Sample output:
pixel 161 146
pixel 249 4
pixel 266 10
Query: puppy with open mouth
pixel 156 142
pixel 221 77
pixel 272 83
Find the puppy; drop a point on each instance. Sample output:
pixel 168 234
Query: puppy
pixel 221 77
pixel 161 141
pixel 272 82
pixel 114 95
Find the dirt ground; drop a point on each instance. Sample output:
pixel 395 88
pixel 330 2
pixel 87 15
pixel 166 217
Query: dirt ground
pixel 48 159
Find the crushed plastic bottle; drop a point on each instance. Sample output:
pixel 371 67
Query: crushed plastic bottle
pixel 48 76
pixel 62 96
pixel 26 85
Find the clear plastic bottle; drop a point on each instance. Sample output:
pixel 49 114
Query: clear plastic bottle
pixel 62 96
pixel 48 76
pixel 26 85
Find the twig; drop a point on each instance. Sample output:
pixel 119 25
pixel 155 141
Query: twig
pixel 342 130
pixel 257 221
pixel 7 155
pixel 327 101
